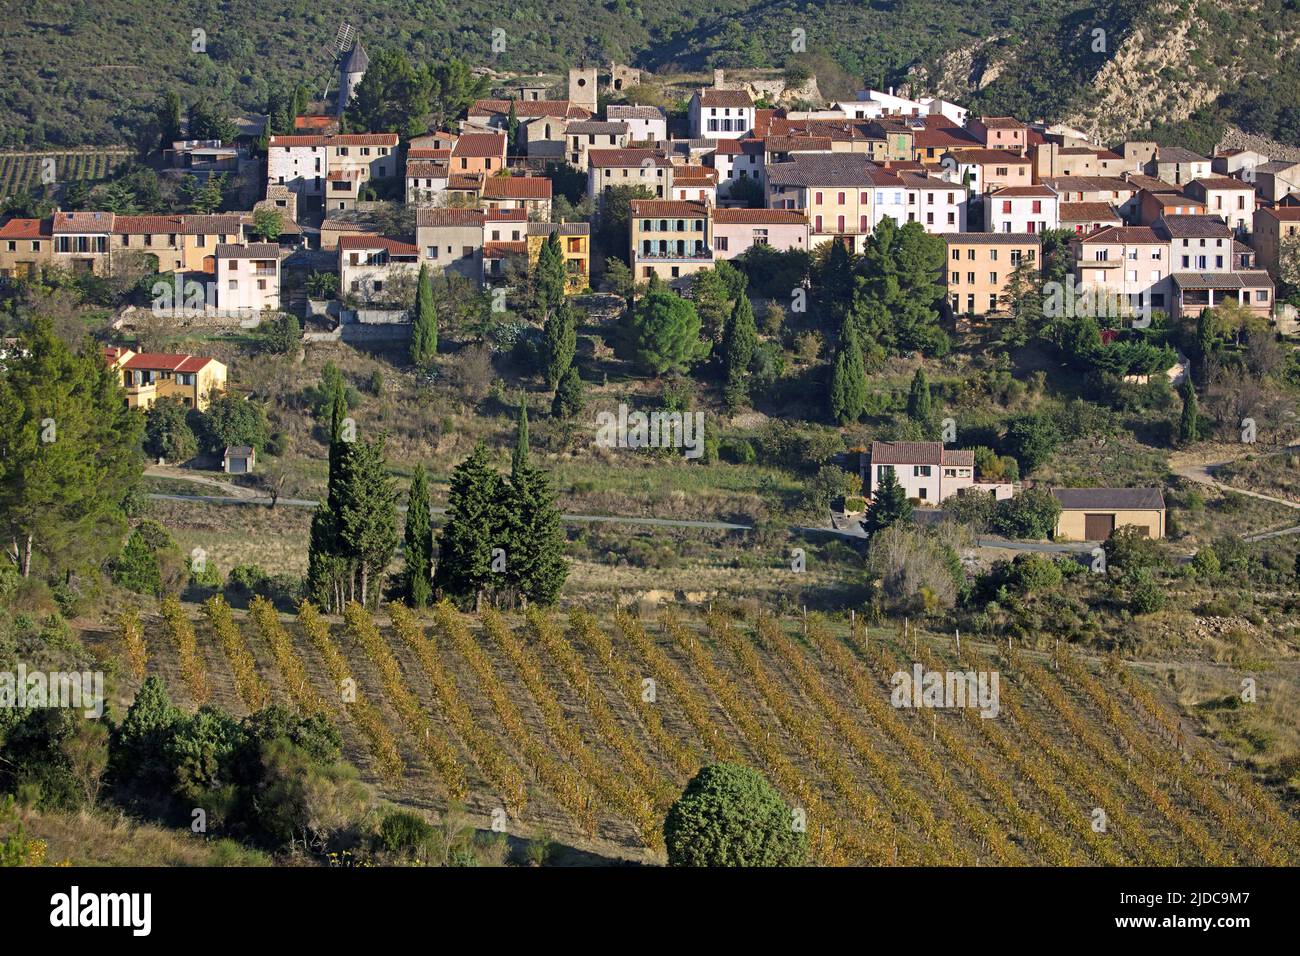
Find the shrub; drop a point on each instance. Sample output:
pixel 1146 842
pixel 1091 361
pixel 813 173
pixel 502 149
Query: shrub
pixel 1030 514
pixel 1146 596
pixel 731 816
pixel 403 832
pixel 1206 563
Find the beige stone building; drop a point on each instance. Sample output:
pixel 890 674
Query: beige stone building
pixel 1094 514
pixel 979 268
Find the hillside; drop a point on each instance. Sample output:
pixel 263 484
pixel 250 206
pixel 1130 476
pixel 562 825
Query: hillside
pixel 550 718
pixel 79 73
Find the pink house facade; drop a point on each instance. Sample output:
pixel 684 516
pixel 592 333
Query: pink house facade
pixel 736 230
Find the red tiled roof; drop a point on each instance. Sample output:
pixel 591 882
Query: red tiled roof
pixel 667 207
pixel 906 453
pixel 422 170
pixel 1283 213
pixel 530 109
pixel 83 222
pixel 500 250
pixel 516 187
pixel 427 152
pixel 733 98
pixel 759 216
pixel 1001 122
pixel 378 242
pixel 625 157
pixel 337 139
pixel 1088 211
pixel 1127 235
pixel 448 217
pixel 991 156
pixel 1014 192
pixel 166 362
pixel 505 215
pixel 26 229
pixel 479 145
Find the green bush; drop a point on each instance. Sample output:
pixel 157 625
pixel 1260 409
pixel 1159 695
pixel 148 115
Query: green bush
pixel 731 816
pixel 404 832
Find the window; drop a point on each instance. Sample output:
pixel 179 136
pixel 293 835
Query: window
pixel 233 284
pixel 261 284
pixel 921 471
pixel 993 278
pixel 841 198
pixel 720 242
pixel 956 254
pixel 993 255
pixel 431 252
pixel 1006 207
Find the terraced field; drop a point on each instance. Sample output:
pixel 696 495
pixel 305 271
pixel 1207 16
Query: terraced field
pixel 588 727
pixel 25 172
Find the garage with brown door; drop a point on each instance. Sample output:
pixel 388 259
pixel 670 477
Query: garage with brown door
pixel 1094 514
pixel 1098 527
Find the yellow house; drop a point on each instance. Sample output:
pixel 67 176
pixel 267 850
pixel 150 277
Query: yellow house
pixel 149 376
pixel 25 246
pixel 1094 514
pixel 180 243
pixel 575 242
pixel 670 238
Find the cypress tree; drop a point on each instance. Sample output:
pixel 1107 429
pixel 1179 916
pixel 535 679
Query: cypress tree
pixel 424 330
pixel 327 569
pixel 920 408
pixel 476 524
pixel 367 519
pixel 551 275
pixel 512 125
pixel 569 396
pixel 559 343
pixel 520 456
pixel 535 568
pixel 739 339
pixel 889 505
pixel 848 397
pixel 1189 424
pixel 419 541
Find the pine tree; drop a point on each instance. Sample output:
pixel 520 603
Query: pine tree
pixel 419 541
pixel 569 395
pixel 1189 424
pixel 550 276
pixel 424 330
pixel 559 343
pixel 739 339
pixel 535 566
pixel 848 397
pixel 889 505
pixel 69 454
pixel 475 525
pixel 520 456
pixel 920 407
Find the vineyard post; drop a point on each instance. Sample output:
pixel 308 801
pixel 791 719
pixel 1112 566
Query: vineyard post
pixel 959 644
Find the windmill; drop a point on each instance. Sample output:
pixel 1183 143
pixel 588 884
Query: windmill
pixel 342 43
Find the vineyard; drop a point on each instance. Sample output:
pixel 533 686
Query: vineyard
pixel 22 172
pixel 587 727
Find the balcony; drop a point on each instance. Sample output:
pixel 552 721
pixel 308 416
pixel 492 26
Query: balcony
pixel 684 255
